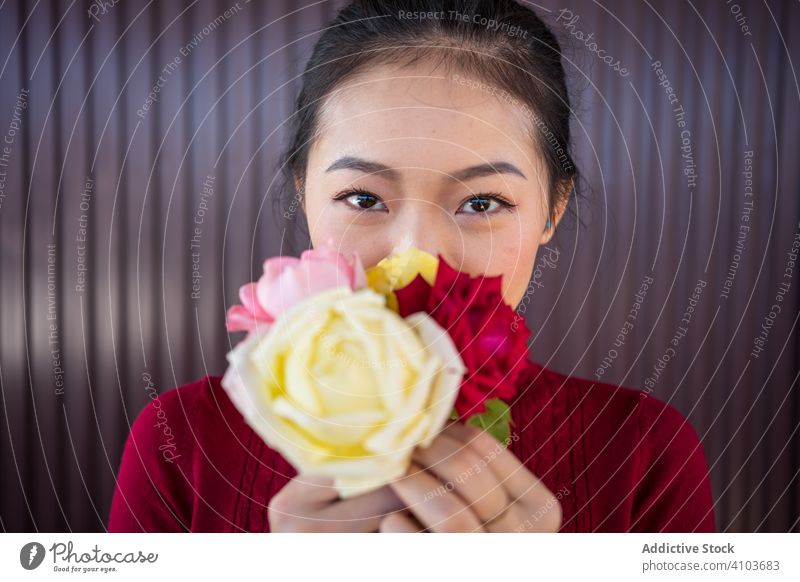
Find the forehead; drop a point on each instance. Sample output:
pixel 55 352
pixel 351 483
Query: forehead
pixel 420 117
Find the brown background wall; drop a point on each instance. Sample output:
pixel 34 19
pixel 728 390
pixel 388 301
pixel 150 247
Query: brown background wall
pixel 220 113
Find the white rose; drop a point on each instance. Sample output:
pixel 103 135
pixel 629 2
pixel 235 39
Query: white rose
pixel 343 386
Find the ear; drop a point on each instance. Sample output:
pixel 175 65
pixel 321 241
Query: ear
pixel 565 190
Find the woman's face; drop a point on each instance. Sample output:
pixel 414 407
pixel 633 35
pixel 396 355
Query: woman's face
pixel 409 157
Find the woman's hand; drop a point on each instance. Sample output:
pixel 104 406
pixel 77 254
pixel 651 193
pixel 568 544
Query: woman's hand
pixel 309 503
pixel 466 481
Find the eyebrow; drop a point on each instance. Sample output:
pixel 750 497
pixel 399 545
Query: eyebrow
pixel 479 171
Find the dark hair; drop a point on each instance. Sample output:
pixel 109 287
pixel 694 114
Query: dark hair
pixel 500 42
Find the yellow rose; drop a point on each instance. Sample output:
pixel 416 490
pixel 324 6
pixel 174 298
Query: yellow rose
pixel 397 271
pixel 342 386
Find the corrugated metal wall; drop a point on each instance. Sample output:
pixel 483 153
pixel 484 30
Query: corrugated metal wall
pixel 101 187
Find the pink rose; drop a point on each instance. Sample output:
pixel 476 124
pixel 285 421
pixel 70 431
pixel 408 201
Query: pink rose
pixel 288 280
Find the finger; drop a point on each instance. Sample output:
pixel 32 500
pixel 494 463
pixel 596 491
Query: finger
pixel 509 471
pixel 362 512
pixel 401 522
pixel 533 506
pixel 460 468
pixel 314 489
pixel 435 507
pixel 509 519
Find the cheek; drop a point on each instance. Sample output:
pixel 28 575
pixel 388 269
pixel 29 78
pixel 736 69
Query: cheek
pixel 514 261
pixel 327 226
pixel 370 245
pixel 515 280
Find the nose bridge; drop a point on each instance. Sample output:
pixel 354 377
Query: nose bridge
pixel 417 228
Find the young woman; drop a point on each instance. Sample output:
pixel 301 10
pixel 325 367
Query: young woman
pixel 443 126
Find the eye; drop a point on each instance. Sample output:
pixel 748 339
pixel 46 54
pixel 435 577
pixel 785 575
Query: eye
pixel 360 199
pixel 485 204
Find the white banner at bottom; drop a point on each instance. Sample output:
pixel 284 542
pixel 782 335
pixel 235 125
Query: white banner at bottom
pixel 400 557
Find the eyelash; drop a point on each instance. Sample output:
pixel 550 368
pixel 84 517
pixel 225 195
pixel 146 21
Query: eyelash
pixel 504 204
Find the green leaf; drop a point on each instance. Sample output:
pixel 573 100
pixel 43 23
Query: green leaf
pixel 495 420
pixel 454 415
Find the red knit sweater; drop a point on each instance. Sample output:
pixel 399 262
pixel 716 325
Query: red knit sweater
pixel 618 459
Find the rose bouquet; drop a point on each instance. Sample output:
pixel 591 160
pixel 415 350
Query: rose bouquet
pixel 345 371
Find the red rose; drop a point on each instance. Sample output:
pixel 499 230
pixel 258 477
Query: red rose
pixel 471 309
